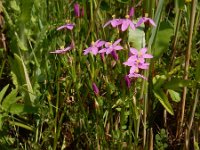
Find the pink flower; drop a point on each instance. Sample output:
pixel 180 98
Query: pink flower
pixel 62 50
pixel 114 22
pixel 66 26
pixel 79 12
pixel 95 89
pixel 128 81
pixel 136 75
pixel 109 47
pixel 137 61
pixel 144 20
pixel 140 55
pixel 94 48
pixel 126 23
pixel 131 12
pixel 115 55
pixel 77 9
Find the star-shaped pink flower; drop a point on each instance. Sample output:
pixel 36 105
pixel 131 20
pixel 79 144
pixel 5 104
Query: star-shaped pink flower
pixel 68 26
pixel 94 48
pixel 126 23
pixel 144 20
pixel 62 50
pixel 114 22
pixel 109 47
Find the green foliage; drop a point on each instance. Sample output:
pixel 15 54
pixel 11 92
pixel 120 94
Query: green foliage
pixel 161 140
pixel 47 100
pixel 163 38
pixel 136 38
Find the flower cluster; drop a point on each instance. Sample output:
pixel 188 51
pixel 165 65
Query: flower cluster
pixel 137 61
pixel 104 47
pixel 127 22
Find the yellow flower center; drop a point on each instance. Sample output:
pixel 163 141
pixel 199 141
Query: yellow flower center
pixel 136 70
pixel 110 43
pixel 113 16
pixel 127 16
pixel 62 47
pixel 92 43
pixel 67 21
pixel 139 54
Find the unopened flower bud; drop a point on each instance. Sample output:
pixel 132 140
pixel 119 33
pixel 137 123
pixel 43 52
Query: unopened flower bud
pixel 95 88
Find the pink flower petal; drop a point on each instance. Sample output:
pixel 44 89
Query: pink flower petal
pixel 152 22
pixel 100 43
pixel 143 50
pixel 117 42
pixel 125 25
pixel 147 56
pixel 139 22
pixel 94 50
pixel 107 23
pixel 134 51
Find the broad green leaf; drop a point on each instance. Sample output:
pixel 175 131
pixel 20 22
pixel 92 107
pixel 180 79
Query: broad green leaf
pixel 3 91
pixel 176 83
pixel 179 4
pixel 136 38
pixel 157 20
pixel 163 39
pixel 10 99
pixel 21 108
pixel 20 43
pixel 19 69
pixel 16 108
pixel 14 5
pixel 160 95
pixel 158 81
pixel 174 95
pixel 26 9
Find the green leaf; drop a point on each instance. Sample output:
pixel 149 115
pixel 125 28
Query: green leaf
pixel 26 8
pixel 10 99
pixel 136 38
pixel 176 83
pixel 19 69
pixel 16 108
pixel 20 43
pixel 21 108
pixel 158 81
pixel 3 91
pixel 14 6
pixel 175 96
pixel 179 4
pixel 157 20
pixel 163 39
pixel 160 95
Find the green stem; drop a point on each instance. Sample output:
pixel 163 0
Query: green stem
pixel 57 105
